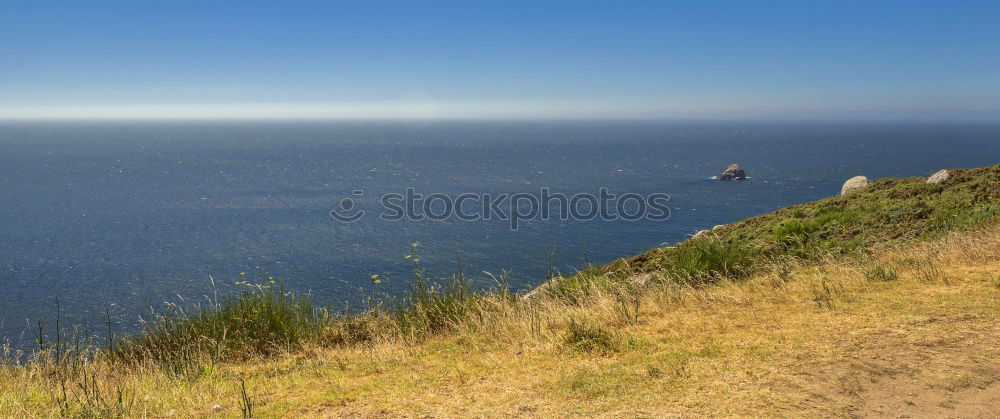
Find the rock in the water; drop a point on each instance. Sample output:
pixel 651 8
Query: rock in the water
pixel 939 178
pixel 854 183
pixel 733 172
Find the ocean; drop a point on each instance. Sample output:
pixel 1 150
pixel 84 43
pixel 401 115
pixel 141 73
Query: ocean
pixel 108 216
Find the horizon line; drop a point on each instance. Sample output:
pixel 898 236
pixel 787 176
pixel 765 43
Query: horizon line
pixel 430 110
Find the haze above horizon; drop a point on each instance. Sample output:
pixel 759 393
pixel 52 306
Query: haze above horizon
pixel 510 60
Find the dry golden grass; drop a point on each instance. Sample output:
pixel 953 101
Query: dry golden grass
pixel 803 339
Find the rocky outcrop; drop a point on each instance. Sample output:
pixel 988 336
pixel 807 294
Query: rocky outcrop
pixel 939 178
pixel 733 172
pixel 853 184
pixel 539 290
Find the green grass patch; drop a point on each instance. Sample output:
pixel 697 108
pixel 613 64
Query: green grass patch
pixel 257 322
pixel 881 273
pixel 430 308
pixel 587 336
pixel 704 259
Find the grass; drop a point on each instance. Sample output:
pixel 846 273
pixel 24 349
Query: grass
pixel 259 322
pixel 266 319
pixel 590 337
pixel 758 346
pixel 879 272
pixel 710 258
pixel 719 325
pixel 428 309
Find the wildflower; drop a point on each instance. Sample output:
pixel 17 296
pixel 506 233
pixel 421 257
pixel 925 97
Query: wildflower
pixel 374 276
pixel 378 281
pixel 408 256
pixel 243 273
pixel 415 244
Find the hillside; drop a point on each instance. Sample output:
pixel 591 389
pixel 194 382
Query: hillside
pixel 883 301
pixel 888 211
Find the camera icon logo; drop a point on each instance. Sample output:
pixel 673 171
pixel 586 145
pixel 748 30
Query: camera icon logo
pixel 347 213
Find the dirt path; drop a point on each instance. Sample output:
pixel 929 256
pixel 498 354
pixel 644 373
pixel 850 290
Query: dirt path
pixel 936 366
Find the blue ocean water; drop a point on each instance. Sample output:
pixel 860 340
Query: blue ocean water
pixel 104 216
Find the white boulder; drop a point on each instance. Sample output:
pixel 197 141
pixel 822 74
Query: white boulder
pixel 939 178
pixel 854 184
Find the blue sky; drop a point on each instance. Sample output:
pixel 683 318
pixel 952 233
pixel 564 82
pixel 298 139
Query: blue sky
pixel 658 59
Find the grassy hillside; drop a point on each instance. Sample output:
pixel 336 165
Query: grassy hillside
pixel 883 301
pixel 887 211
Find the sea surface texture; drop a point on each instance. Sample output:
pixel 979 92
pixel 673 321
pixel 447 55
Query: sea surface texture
pixel 107 216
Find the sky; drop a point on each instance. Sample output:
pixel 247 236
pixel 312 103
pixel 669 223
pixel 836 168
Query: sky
pixel 510 59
